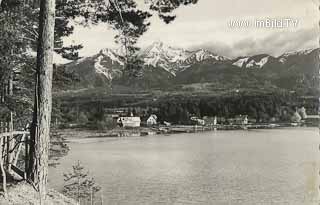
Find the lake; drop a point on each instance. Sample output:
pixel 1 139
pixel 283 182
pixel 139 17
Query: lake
pixel 278 166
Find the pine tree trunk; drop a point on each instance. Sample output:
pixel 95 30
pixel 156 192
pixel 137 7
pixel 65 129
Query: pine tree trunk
pixel 11 139
pixel 3 172
pixel 39 145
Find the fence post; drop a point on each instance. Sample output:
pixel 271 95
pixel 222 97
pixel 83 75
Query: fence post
pixel 16 157
pixel 11 142
pixel 8 147
pixel 91 196
pixel 4 176
pixel 26 158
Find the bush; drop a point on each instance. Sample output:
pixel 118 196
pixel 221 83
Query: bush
pixel 106 124
pixel 83 119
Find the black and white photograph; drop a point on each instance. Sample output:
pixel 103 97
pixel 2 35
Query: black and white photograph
pixel 159 102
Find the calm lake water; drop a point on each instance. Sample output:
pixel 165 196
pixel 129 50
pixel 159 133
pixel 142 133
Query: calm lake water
pixel 277 166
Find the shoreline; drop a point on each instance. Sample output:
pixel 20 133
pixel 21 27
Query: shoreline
pixel 83 133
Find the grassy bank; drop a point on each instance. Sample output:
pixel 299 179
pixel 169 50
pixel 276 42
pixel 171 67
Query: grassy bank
pixel 23 193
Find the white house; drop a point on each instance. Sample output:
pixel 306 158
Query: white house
pixel 198 121
pixel 302 112
pixel 129 121
pixel 245 120
pixel 152 120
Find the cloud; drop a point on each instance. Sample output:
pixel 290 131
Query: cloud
pixel 278 43
pixel 273 44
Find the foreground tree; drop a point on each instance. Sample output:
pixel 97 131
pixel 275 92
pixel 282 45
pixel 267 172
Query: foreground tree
pixel 79 185
pixel 40 129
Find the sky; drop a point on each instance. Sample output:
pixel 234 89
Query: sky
pixel 224 27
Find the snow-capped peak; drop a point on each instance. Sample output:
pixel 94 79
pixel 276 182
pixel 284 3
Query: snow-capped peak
pixel 175 59
pixel 251 62
pixel 301 52
pixel 204 54
pixel 283 57
pixel 167 57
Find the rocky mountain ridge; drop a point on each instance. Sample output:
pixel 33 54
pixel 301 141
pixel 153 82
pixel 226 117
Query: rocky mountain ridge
pixel 165 65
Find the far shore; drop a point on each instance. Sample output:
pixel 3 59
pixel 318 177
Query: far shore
pixel 85 133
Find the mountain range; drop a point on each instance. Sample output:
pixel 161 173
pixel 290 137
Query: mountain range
pixel 166 67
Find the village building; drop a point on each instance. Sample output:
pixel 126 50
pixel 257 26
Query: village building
pixel 210 120
pixel 239 120
pixel 152 120
pixel 312 120
pixel 302 112
pixel 129 121
pixel 245 120
pixel 296 117
pixel 198 121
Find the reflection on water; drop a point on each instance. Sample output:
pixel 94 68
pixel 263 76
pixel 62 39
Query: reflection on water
pixel 223 167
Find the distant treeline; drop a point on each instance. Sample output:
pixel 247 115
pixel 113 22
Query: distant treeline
pixel 262 108
pixel 179 109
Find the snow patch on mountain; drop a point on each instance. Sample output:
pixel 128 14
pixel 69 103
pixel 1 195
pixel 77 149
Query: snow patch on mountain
pixel 152 61
pixel 240 62
pixel 282 60
pixel 258 64
pixel 112 55
pixel 203 54
pixel 262 62
pixel 101 69
pixel 104 64
pixel 251 62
